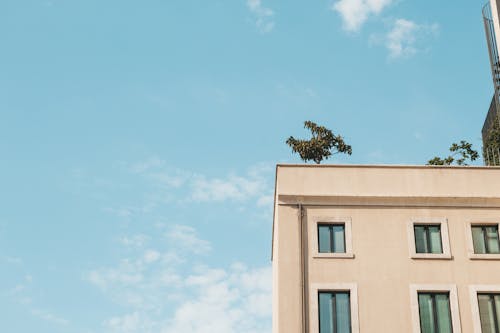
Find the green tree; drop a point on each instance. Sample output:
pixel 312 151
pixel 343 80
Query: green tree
pixel 322 144
pixel 491 144
pixel 461 153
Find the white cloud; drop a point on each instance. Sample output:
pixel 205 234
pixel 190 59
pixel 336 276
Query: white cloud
pixel 138 240
pixel 128 273
pixel 151 256
pixel 266 201
pixel 168 295
pixel 172 184
pixel 255 184
pixel 263 15
pixel 120 212
pixel 354 13
pixel 212 300
pixel 49 317
pixel 226 301
pixel 155 169
pixel 232 188
pixel 205 276
pixel 402 39
pixel 186 238
pixel 128 323
pixel 13 260
pixel 22 294
pixel 175 179
pixel 146 165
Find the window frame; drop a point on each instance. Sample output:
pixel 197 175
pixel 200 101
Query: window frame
pixel 470 241
pixel 433 296
pixel 314 291
pixel 445 239
pixel 451 289
pixel 331 235
pixel 334 308
pixel 474 291
pixel 427 231
pixel 329 220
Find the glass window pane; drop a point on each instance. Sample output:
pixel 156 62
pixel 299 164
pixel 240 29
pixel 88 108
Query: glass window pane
pixel 324 245
pixel 420 239
pixel 496 299
pixel 492 239
pixel 435 239
pixel 343 313
pixel 486 314
pixel 338 239
pixel 443 313
pixel 426 313
pixel 325 313
pixel 478 240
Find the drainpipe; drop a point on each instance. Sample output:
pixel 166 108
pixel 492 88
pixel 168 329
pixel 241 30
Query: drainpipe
pixel 303 267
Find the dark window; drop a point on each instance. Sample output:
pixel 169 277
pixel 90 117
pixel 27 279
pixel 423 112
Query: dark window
pixel 485 239
pixel 334 312
pixel 428 238
pixel 434 311
pixel 331 238
pixel 489 312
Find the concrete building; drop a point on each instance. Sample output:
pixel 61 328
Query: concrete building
pixel 491 19
pixel 386 249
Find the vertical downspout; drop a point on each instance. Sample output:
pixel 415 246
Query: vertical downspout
pixel 303 268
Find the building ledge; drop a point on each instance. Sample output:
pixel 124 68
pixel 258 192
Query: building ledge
pixel 479 202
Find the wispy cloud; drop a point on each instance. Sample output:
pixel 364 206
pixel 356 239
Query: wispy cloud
pixel 354 13
pixel 264 16
pixel 210 300
pixel 232 188
pixel 236 300
pixel 404 37
pixel 172 184
pixel 22 293
pixel 49 317
pixel 152 162
pixel 13 260
pixel 163 293
pixel 128 323
pixel 138 240
pixel 151 256
pixel 186 237
pixel 254 185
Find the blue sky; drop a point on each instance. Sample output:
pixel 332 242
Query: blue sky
pixel 138 142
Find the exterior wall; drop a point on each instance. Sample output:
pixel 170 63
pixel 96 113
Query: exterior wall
pixel 379 201
pixel 495 13
pixel 287 307
pixel 492 31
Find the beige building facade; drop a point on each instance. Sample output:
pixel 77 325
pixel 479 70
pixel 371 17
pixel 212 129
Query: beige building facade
pixel 386 249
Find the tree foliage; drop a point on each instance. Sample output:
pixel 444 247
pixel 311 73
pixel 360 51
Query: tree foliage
pixel 321 144
pixel 491 144
pixel 461 153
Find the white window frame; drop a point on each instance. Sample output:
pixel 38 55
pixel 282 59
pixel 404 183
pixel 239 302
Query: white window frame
pixel 347 222
pixel 470 241
pixel 445 238
pixel 473 291
pixel 314 291
pixel 433 288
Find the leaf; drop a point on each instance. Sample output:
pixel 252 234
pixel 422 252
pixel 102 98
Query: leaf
pixel 323 141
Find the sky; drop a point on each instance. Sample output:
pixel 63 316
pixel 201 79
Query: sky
pixel 138 142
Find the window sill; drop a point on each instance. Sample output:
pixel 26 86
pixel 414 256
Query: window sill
pixel 432 256
pixel 334 255
pixel 484 256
